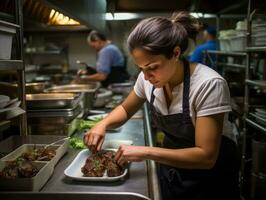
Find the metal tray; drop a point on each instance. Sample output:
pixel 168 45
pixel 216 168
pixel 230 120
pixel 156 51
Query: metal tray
pixel 27 184
pixel 53 117
pixel 88 91
pixel 45 128
pixel 74 170
pixel 74 88
pixel 52 100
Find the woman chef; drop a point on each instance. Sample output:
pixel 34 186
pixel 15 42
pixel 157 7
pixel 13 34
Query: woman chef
pixel 189 102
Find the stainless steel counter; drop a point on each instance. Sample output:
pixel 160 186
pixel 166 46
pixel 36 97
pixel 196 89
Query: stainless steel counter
pixel 138 185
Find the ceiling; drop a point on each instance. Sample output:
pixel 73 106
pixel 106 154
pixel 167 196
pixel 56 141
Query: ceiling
pixel 204 6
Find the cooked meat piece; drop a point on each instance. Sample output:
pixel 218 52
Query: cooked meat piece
pixel 97 163
pixel 109 154
pixel 39 154
pixel 46 154
pixel 30 155
pixel 27 170
pixel 93 167
pixel 113 169
pixel 10 171
pixel 19 168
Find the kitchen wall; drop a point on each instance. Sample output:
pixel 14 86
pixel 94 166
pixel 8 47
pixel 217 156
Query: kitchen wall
pixel 78 48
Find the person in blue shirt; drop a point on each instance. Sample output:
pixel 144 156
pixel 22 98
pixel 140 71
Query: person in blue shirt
pixel 110 65
pixel 210 43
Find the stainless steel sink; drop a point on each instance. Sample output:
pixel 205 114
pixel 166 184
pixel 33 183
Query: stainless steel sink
pixel 71 196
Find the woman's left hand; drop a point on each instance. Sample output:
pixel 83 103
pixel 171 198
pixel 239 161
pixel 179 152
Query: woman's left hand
pixel 131 153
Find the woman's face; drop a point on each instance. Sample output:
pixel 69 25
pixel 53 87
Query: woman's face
pixel 157 69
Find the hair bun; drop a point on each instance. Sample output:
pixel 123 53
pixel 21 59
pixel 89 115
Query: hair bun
pixel 191 24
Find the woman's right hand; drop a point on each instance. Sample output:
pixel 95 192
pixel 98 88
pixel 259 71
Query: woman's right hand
pixel 82 72
pixel 94 138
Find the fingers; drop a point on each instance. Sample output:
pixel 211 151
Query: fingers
pixel 100 143
pixel 118 153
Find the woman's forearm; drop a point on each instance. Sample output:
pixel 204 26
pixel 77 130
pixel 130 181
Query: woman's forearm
pixel 115 118
pixel 188 158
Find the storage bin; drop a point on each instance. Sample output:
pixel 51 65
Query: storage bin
pixel 225 45
pixel 7 31
pixel 258 187
pixel 259 155
pixel 238 43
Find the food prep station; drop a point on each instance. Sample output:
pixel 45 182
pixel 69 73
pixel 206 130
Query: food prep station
pixel 46 104
pixel 55 116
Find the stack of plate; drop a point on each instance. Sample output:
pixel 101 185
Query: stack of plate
pixel 9 108
pixel 258 34
pixel 260 115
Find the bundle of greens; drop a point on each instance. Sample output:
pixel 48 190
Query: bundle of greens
pixel 77 143
pixel 87 124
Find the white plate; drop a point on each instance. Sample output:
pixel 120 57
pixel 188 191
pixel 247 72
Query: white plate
pixel 4 100
pixel 74 170
pixel 261 110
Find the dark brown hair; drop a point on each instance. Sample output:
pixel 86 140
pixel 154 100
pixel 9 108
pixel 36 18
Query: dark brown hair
pixel 95 36
pixel 160 35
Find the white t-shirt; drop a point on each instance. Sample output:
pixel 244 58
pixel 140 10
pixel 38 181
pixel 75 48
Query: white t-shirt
pixel 208 95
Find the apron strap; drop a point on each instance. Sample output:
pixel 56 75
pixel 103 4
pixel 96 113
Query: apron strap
pixel 152 95
pixel 186 87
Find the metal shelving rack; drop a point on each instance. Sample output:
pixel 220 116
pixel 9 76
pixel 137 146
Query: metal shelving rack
pixel 248 119
pixel 17 65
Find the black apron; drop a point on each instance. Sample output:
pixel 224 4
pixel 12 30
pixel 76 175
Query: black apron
pixel 118 74
pixel 218 183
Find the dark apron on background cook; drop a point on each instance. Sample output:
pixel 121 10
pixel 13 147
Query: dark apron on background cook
pixel 118 74
pixel 218 183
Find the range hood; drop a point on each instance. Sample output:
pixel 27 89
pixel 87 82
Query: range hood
pixel 79 15
pixel 88 12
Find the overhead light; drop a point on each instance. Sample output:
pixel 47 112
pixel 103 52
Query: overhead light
pixel 202 15
pixel 130 16
pixel 57 18
pixel 121 16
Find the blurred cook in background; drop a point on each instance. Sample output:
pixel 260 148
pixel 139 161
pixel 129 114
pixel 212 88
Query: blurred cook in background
pixel 209 43
pixel 110 64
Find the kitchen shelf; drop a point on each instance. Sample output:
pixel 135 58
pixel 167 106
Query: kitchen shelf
pixel 256 49
pixel 258 83
pixel 227 53
pixel 256 125
pixel 7 17
pixel 4 125
pixel 55 52
pixel 9 24
pixel 232 65
pixel 11 65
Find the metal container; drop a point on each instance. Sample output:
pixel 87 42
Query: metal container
pixel 53 129
pixel 60 149
pixel 7 31
pixel 103 96
pixel 27 184
pixel 88 90
pixel 45 168
pixel 52 100
pixel 53 116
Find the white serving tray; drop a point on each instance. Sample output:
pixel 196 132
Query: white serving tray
pixel 73 171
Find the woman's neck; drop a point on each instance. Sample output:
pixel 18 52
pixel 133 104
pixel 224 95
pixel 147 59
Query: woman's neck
pixel 178 75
